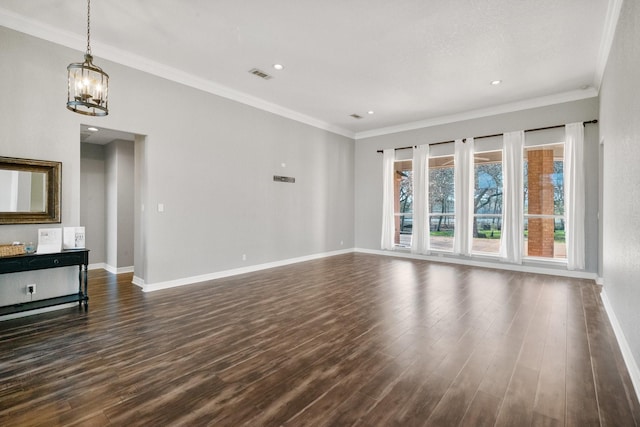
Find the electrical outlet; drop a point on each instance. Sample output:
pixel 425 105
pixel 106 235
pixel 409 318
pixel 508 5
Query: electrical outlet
pixel 244 257
pixel 31 289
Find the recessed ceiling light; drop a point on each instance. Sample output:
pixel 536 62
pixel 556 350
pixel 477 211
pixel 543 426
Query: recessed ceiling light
pixel 370 112
pixel 92 129
pixel 278 67
pixel 496 82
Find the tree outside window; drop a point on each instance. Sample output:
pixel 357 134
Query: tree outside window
pixel 403 202
pixel 487 202
pixel 441 203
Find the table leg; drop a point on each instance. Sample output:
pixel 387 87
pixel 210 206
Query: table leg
pixel 86 290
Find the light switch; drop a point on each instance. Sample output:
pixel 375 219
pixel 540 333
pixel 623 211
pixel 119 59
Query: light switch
pixel 160 207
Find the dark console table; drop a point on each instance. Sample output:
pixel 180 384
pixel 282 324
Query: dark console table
pixel 15 264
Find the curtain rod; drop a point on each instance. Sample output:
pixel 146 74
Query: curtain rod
pixel 495 134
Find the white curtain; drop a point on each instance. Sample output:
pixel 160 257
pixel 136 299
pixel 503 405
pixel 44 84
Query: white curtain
pixel 512 239
pixel 388 220
pixel 574 195
pixel 420 228
pixel 463 181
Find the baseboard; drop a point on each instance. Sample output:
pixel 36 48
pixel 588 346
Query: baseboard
pixel 627 354
pixel 485 264
pixel 111 269
pixel 97 266
pixel 118 270
pixel 37 311
pixel 149 287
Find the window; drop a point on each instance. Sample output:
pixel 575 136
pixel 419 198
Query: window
pixel 487 202
pixel 544 201
pixel 532 212
pixel 403 202
pixel 441 203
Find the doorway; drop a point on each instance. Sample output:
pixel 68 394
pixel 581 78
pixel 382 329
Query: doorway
pixel 109 188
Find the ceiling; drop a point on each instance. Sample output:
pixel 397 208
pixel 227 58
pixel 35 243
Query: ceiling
pixel 103 136
pixel 411 62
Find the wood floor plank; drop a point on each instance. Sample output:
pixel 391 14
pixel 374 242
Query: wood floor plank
pixel 354 339
pixel 550 395
pixel 540 420
pixel 317 411
pixel 613 410
pixel 500 370
pixel 483 411
pixel 454 404
pixel 580 385
pixel 517 407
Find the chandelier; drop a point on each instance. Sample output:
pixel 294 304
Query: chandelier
pixel 88 85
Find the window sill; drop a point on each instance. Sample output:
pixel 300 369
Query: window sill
pixel 559 261
pixel 533 261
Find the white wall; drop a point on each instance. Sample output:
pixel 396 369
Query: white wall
pixel 368 179
pixel 209 160
pixel 620 131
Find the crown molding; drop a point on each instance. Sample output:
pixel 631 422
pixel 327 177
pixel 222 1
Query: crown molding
pixel 173 74
pixel 73 41
pixel 606 41
pixel 65 38
pixel 543 101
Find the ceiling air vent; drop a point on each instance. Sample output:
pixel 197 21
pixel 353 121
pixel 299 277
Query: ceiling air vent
pixel 356 116
pixel 260 74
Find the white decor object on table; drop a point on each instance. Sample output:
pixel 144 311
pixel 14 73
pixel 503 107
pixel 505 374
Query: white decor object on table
pixel 74 238
pixel 49 240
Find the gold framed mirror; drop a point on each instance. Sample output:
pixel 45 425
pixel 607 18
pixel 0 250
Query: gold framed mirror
pixel 29 191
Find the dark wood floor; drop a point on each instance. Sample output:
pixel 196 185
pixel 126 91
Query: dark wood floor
pixel 354 339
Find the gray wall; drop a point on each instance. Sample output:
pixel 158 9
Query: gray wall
pixel 119 191
pixel 38 131
pixel 368 168
pixel 111 204
pixel 209 160
pixel 107 201
pixel 125 189
pixel 92 199
pixel 139 215
pixel 620 131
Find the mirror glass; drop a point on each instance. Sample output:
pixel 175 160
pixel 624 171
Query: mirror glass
pixel 29 191
pixel 22 191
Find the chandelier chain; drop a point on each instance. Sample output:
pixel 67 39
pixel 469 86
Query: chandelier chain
pixel 87 84
pixel 88 26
